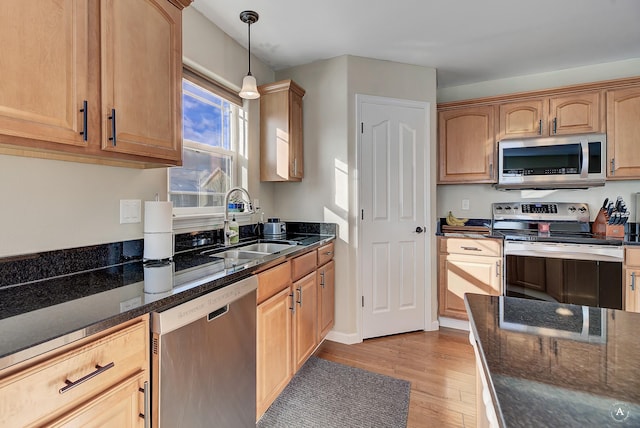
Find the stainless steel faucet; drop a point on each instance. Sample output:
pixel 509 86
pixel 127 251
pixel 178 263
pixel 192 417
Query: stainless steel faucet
pixel 227 233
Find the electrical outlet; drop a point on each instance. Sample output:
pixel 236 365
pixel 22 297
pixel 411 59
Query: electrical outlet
pixel 130 211
pixel 465 204
pixel 127 305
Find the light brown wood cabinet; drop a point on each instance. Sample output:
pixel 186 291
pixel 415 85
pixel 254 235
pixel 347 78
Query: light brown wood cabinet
pixel 281 134
pixel 577 113
pixel 86 60
pixel 47 390
pixel 275 333
pixel 631 283
pixel 294 314
pixel 466 145
pixel 623 133
pixel 467 265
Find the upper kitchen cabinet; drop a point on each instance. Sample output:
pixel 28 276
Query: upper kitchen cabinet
pixel 141 65
pixel 623 133
pixel 466 143
pixel 281 137
pixel 576 113
pixel 92 81
pixel 45 73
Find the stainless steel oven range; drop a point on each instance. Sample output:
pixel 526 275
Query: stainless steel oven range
pixel 551 254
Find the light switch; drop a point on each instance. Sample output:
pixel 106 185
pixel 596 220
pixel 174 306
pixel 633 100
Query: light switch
pixel 130 211
pixel 465 204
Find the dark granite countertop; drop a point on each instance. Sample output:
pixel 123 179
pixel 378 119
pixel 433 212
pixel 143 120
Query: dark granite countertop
pixel 38 316
pixel 558 365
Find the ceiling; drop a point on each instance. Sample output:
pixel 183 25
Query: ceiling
pixel 467 41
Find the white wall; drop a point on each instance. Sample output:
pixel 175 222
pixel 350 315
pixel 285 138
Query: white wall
pixel 329 190
pixel 482 195
pixel 50 205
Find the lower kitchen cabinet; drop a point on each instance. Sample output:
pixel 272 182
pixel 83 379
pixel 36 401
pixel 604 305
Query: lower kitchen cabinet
pixel 294 314
pixel 101 380
pixel 306 316
pixel 467 265
pixel 631 281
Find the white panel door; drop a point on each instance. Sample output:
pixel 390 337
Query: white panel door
pixel 392 220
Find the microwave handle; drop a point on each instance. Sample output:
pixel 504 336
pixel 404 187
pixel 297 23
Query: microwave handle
pixel 584 170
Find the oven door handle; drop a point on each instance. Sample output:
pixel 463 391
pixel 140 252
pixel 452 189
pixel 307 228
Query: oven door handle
pixel 565 253
pixel 584 159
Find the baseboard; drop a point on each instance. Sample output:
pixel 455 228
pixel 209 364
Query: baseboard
pixel 345 338
pixel 435 325
pixel 454 323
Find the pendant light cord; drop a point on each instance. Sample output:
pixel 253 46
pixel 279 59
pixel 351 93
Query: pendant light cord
pixel 249 50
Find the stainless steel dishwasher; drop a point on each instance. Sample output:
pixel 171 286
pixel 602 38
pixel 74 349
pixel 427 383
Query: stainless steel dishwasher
pixel 204 360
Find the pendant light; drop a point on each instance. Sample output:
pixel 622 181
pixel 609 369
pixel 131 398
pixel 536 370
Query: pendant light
pixel 249 89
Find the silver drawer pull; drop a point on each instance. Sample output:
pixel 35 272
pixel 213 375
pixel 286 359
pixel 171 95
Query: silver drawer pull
pixel 99 369
pixel 471 248
pixel 328 253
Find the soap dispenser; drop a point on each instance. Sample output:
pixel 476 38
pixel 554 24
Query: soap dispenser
pixel 234 231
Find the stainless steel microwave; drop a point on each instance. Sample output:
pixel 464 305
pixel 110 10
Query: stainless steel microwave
pixel 569 162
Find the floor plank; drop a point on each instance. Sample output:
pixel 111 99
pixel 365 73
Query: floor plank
pixel 439 364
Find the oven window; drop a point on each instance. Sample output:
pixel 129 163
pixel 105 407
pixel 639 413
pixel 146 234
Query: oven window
pixel 580 282
pixel 543 160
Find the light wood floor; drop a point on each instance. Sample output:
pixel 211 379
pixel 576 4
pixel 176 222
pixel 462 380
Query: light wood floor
pixel 440 366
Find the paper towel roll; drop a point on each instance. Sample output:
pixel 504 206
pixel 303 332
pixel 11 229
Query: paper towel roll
pixel 158 216
pixel 158 246
pixel 158 277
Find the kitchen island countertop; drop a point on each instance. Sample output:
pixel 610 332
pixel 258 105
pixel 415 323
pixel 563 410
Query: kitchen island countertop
pixel 551 365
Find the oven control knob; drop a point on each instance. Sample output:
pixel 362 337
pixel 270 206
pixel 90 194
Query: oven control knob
pixel 582 209
pixel 572 209
pixel 508 208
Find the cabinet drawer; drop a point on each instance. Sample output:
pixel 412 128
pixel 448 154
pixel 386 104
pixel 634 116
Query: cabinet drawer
pixel 273 280
pixel 300 266
pixel 325 253
pixel 41 392
pixel 478 247
pixel 632 256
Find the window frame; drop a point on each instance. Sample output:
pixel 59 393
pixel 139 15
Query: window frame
pixel 196 217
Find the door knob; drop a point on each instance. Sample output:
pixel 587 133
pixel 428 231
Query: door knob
pixel 419 229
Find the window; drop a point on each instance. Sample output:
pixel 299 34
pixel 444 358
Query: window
pixel 214 129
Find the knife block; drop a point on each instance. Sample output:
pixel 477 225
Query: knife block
pixel 601 226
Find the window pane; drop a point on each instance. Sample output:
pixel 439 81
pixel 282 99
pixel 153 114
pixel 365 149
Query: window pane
pixel 206 117
pixel 202 181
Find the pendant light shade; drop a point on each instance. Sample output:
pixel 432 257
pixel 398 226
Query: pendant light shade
pixel 249 89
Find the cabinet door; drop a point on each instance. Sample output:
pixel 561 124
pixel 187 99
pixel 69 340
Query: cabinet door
pixel 141 78
pixel 296 165
pixel 623 133
pixel 466 143
pixel 119 407
pixel 37 101
pixel 326 299
pixel 523 119
pixel 306 295
pixel 576 114
pixel 459 274
pixel 274 364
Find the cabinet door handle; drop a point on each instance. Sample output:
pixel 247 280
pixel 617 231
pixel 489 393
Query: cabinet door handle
pixel 293 303
pixel 84 111
pixel 555 125
pixel 613 166
pixel 633 281
pixel 112 118
pixel 497 268
pixel 540 344
pixel 72 384
pixel 540 127
pixel 491 170
pixel 147 412
pixel 471 248
pixel 295 167
pixel 300 295
pixel 322 279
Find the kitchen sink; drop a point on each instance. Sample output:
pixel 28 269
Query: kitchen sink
pixel 240 254
pixel 267 247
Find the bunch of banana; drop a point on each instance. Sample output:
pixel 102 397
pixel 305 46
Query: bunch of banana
pixel 455 221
